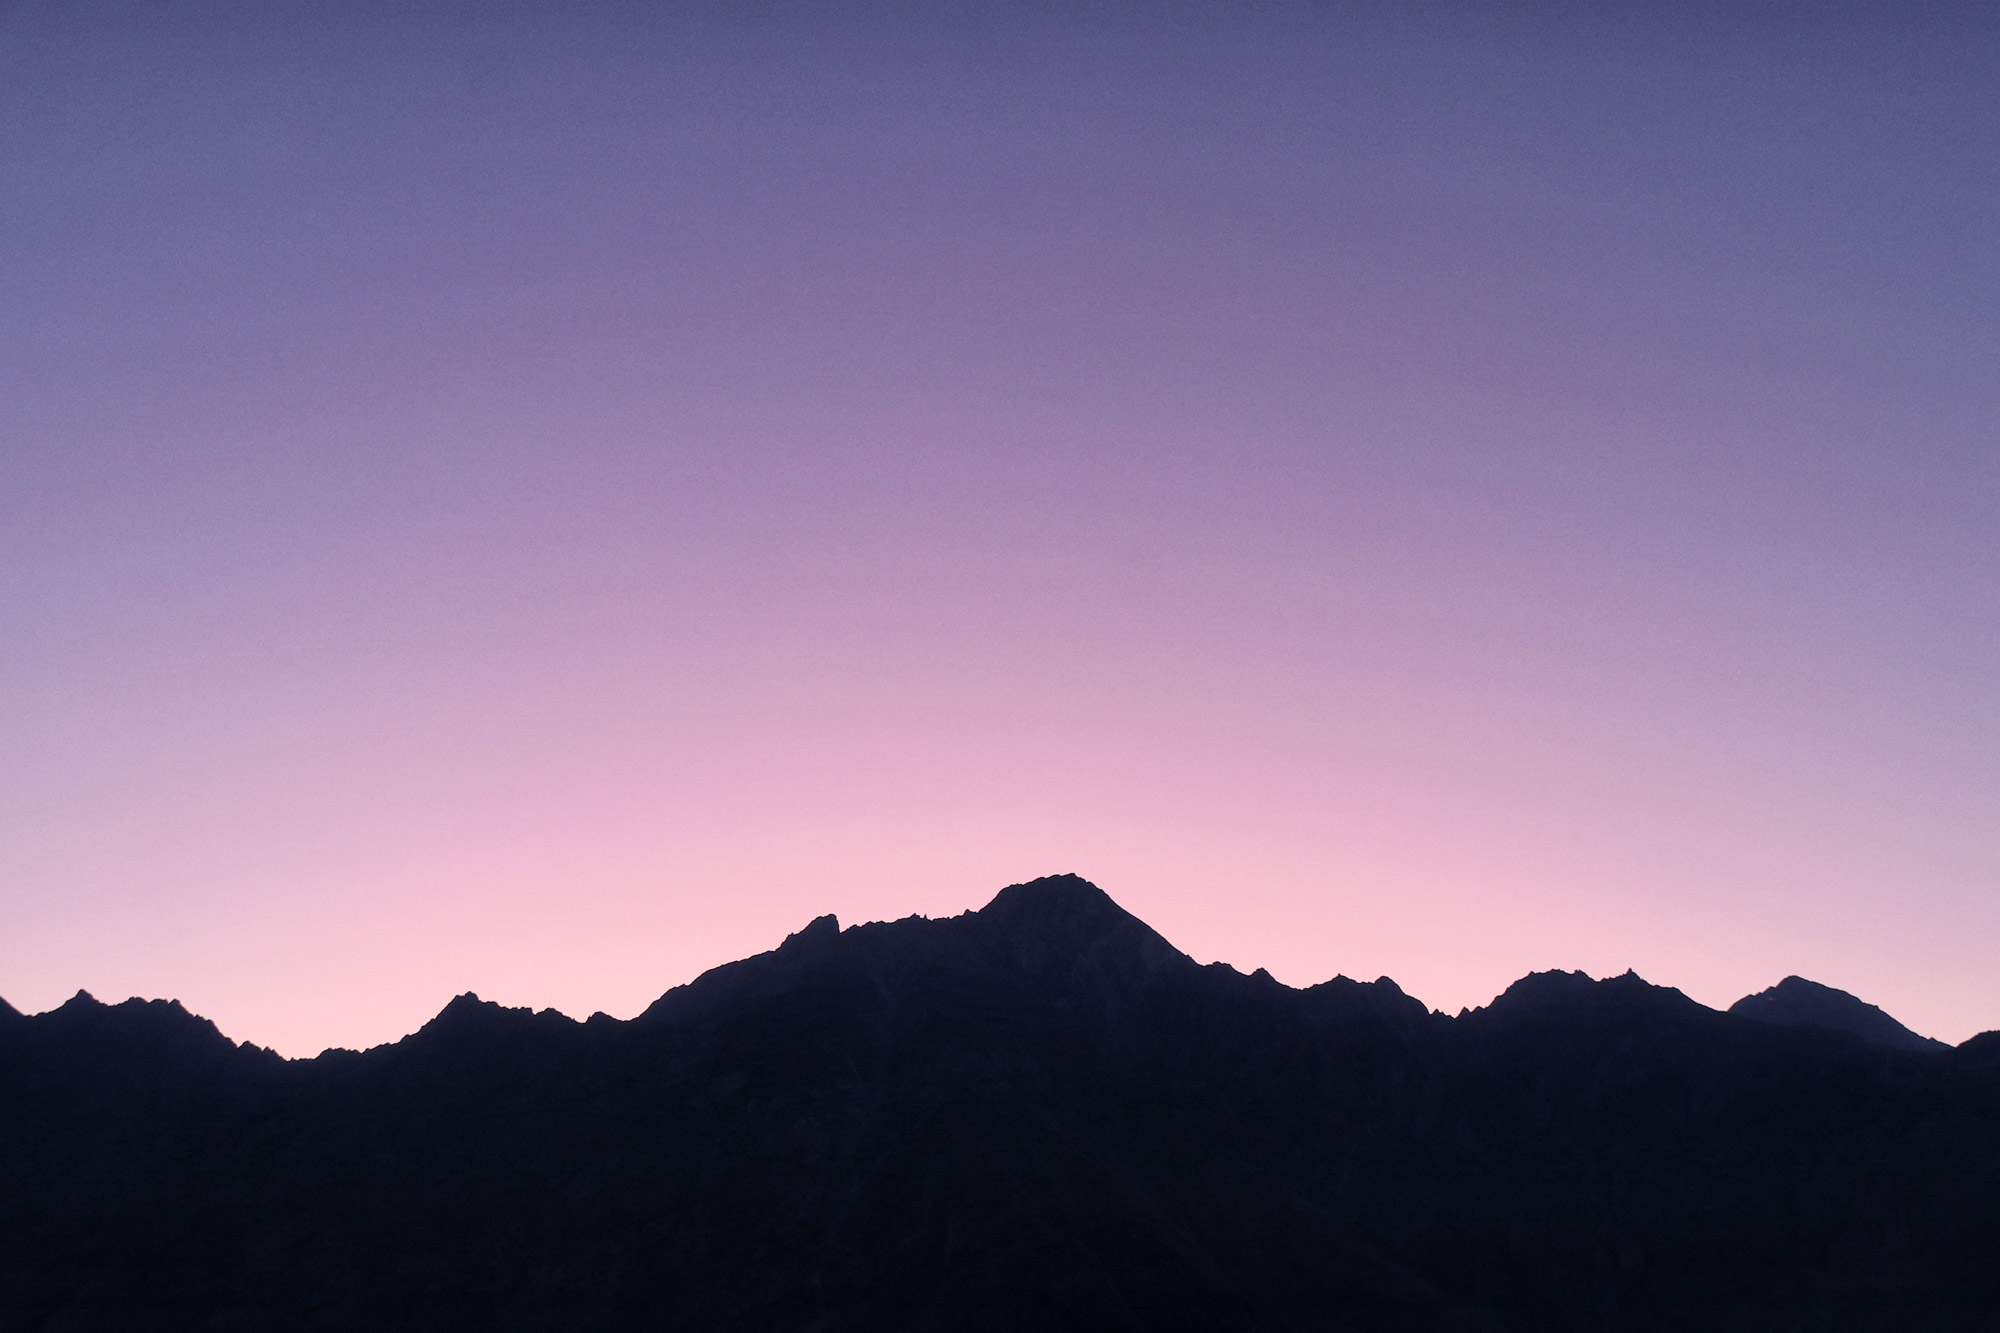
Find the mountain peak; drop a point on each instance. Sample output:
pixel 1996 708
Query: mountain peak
pixel 1053 898
pixel 466 1014
pixel 1797 1002
pixel 1062 910
pixel 1543 992
pixel 816 931
pixel 1064 924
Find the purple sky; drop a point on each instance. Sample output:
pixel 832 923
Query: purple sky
pixel 544 499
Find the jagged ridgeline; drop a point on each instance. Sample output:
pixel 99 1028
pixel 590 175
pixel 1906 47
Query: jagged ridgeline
pixel 1035 1116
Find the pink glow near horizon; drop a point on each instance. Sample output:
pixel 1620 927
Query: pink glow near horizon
pixel 544 506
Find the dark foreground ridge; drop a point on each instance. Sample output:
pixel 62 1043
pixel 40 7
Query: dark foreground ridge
pixel 1035 1116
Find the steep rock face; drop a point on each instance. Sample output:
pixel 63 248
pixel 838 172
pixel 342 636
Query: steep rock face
pixel 1796 1002
pixel 1039 1115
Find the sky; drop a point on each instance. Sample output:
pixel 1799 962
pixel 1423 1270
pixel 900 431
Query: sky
pixel 546 499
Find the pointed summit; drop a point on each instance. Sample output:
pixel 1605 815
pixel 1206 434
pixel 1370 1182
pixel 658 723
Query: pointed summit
pixel 1063 925
pixel 1052 899
pixel 819 930
pixel 1060 910
pixel 1797 1002
pixel 465 1008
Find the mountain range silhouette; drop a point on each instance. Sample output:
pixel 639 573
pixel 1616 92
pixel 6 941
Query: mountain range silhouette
pixel 1039 1115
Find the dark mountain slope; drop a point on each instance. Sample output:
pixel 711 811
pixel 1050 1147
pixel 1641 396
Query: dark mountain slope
pixel 1036 1115
pixel 1801 1003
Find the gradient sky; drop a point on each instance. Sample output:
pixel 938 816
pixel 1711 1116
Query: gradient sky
pixel 544 499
